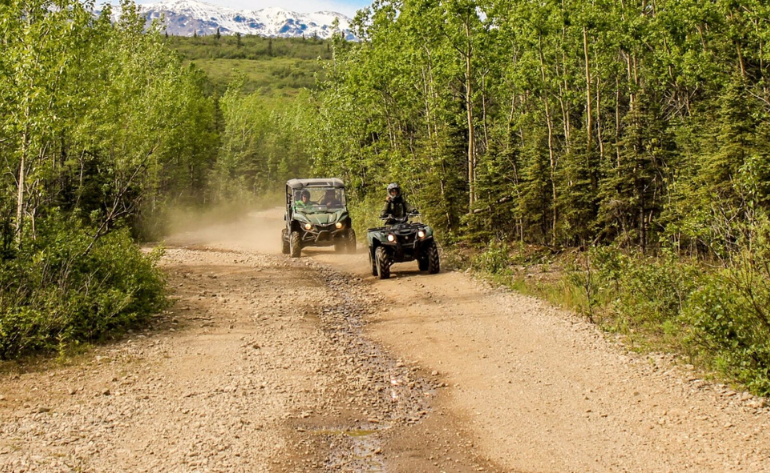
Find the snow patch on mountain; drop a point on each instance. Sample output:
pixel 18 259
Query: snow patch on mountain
pixel 188 17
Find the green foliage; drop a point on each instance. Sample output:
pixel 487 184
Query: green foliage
pixel 718 316
pixel 561 123
pixel 261 147
pixel 56 292
pixel 729 315
pixel 102 127
pixel 730 327
pixel 495 260
pixel 270 66
pixel 252 47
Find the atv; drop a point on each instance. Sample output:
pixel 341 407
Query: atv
pixel 316 215
pixel 401 241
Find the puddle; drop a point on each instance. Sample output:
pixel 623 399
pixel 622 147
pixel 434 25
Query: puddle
pixel 347 433
pixel 358 450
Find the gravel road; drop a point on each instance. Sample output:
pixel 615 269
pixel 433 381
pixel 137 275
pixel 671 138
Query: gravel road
pixel 265 363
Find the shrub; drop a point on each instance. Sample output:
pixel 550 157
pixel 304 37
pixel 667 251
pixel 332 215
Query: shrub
pixel 729 320
pixel 495 260
pixel 56 291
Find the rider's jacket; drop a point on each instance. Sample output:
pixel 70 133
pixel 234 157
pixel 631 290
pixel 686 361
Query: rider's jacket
pixel 395 206
pixel 299 205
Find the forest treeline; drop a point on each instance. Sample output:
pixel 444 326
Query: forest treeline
pixel 99 126
pixel 637 129
pixel 559 122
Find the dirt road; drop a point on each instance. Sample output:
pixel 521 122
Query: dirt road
pixel 271 364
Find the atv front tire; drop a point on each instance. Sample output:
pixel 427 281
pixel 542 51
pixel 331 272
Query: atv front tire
pixel 383 262
pixel 434 264
pixel 284 243
pixel 295 244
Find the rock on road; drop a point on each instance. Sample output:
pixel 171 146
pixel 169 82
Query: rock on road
pixel 266 363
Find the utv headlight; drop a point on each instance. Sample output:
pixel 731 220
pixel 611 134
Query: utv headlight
pixel 339 225
pixel 421 233
pixel 391 237
pixel 308 226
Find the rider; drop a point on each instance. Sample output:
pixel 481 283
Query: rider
pixel 330 199
pixel 395 204
pixel 304 202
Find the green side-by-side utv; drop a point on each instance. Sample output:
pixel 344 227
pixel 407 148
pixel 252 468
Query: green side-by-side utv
pixel 316 215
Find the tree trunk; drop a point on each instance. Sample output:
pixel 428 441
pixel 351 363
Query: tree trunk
pixel 589 116
pixel 469 114
pixel 22 178
pixel 551 153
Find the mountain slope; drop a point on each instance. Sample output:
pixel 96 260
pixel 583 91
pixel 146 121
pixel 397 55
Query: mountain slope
pixel 189 17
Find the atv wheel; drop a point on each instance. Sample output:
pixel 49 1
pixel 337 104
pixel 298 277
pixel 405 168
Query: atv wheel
pixel 295 244
pixel 434 264
pixel 373 263
pixel 383 262
pixel 284 243
pixel 351 242
pixel 423 263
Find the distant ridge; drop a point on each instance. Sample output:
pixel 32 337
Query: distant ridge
pixel 189 17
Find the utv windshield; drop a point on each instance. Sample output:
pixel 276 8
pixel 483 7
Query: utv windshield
pixel 320 199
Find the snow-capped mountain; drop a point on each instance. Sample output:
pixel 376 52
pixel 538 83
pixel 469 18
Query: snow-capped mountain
pixel 186 17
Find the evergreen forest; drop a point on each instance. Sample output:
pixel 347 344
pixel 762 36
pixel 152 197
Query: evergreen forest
pixel 627 142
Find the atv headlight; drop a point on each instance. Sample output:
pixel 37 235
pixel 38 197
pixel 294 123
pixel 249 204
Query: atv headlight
pixel 339 225
pixel 391 237
pixel 308 226
pixel 421 233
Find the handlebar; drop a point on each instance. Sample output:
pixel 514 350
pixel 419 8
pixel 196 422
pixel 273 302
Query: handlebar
pixel 391 218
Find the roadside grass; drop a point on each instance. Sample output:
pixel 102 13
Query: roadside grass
pixel 710 316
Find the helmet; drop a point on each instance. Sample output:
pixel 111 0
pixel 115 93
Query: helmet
pixel 394 187
pixel 305 193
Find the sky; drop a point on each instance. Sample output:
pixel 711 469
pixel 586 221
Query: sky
pixel 346 7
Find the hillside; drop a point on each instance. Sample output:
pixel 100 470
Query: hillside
pixel 190 18
pixel 275 66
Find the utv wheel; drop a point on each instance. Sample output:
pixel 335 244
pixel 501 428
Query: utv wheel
pixel 434 264
pixel 295 244
pixel 351 242
pixel 373 263
pixel 383 262
pixel 284 243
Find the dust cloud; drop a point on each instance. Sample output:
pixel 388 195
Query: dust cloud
pixel 250 230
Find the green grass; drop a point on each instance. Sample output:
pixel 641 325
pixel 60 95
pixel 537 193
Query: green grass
pixel 274 76
pixel 274 66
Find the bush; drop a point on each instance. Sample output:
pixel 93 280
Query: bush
pixel 720 316
pixel 495 260
pixel 56 291
pixel 729 320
